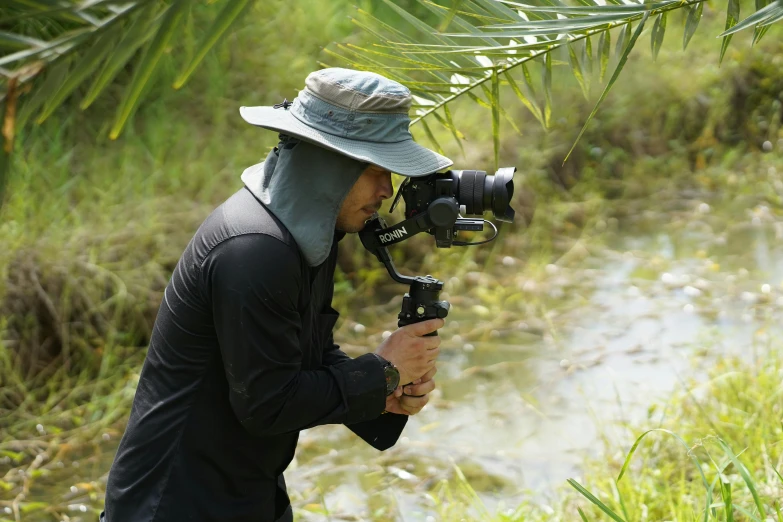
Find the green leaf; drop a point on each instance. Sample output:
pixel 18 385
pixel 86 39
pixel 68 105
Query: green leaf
pixel 725 491
pixel 431 136
pixel 613 79
pixel 578 70
pixel 18 41
pixel 547 89
pixel 496 116
pixel 448 122
pixel 746 477
pixel 587 56
pixel 55 76
pixel 759 31
pixel 148 63
pixel 453 10
pixel 692 22
pixel 564 24
pixel 527 101
pixel 592 498
pixel 658 30
pixel 622 40
pixel 732 17
pixel 133 38
pixel 759 17
pixel 222 23
pixel 604 52
pixel 582 514
pixel 86 66
pixel 628 9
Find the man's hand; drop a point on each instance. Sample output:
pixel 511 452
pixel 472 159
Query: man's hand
pixel 411 398
pixel 411 351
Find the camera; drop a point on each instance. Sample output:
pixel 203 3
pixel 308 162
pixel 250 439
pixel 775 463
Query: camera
pixel 435 204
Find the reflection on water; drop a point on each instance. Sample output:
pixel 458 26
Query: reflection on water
pixel 524 394
pixel 518 411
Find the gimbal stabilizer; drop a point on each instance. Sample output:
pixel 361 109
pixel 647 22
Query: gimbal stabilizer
pixel 434 204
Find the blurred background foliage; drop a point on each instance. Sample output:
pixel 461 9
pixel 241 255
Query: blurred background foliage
pixel 92 227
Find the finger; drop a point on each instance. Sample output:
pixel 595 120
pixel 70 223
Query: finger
pixel 425 327
pixel 419 390
pixel 413 405
pixel 393 406
pixel 398 391
pixel 428 376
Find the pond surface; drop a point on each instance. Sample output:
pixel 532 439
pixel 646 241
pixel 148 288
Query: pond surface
pixel 581 348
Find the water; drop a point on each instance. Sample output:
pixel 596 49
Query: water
pixel 575 355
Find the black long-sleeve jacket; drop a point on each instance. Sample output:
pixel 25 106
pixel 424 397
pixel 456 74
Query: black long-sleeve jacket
pixel 240 360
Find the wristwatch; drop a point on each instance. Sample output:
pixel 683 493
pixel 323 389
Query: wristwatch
pixel 391 373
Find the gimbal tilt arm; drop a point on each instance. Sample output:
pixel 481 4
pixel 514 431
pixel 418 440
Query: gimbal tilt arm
pixel 421 302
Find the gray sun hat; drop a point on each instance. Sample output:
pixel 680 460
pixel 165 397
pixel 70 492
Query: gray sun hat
pixel 360 114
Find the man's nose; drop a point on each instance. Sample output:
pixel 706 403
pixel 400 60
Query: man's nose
pixel 386 190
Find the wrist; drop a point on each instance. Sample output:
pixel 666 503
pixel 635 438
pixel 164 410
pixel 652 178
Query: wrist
pixel 391 374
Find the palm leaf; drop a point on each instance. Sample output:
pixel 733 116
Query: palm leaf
pixel 507 35
pixel 732 17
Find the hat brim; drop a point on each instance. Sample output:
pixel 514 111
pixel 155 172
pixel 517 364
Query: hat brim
pixel 407 158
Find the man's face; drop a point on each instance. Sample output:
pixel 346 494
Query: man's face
pixel 365 198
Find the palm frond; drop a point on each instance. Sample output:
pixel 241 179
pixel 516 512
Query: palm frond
pixel 48 49
pixel 487 44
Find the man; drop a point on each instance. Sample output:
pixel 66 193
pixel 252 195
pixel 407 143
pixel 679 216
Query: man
pixel 241 357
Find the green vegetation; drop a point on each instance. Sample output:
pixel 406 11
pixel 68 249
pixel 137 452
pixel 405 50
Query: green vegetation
pixel 91 230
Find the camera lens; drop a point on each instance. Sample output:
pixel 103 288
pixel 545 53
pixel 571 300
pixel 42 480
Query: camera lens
pixel 480 192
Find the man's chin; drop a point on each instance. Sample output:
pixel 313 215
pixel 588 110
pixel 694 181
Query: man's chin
pixel 350 228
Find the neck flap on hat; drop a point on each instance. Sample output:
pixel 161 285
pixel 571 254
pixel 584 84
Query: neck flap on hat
pixel 304 186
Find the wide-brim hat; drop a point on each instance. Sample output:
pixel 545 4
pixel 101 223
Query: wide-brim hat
pixel 359 114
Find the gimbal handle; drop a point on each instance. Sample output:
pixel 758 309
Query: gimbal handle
pixel 421 302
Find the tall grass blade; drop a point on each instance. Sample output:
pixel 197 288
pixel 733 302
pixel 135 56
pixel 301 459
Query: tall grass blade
pixel 604 52
pixel 613 79
pixel 582 514
pixel 692 23
pixel 777 511
pixel 225 19
pixel 745 476
pixel 658 30
pixel 496 116
pixel 148 64
pixel 732 17
pixel 725 491
pixel 778 474
pixel 592 498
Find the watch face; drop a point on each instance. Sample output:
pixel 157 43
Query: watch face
pixel 392 378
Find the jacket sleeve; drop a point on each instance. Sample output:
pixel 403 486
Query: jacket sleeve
pixel 253 283
pixel 382 432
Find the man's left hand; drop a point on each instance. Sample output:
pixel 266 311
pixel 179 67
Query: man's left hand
pixel 411 398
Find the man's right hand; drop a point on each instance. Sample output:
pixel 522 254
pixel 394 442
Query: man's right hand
pixel 410 352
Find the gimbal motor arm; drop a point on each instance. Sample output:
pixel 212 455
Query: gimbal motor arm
pixel 421 302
